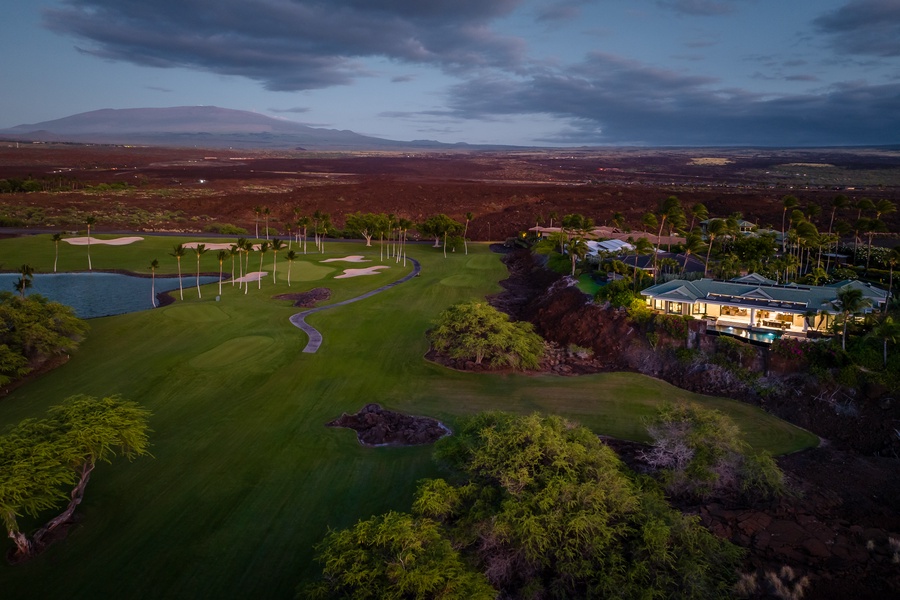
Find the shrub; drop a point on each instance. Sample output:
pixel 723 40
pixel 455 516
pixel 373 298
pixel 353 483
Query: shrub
pixel 618 293
pixel 790 348
pixel 225 228
pixel 674 325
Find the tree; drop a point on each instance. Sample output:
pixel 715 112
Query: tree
pixel 221 255
pixel 395 555
pixel 577 249
pixel 850 302
pixel 257 210
pixel 276 245
pixel 248 248
pixel 477 331
pixel 56 238
pixel 303 223
pixel 200 250
pixel 838 202
pixel 267 212
pixel 439 226
pixel 366 225
pixel 154 265
pixel 469 217
pixel 178 252
pixel 549 511
pixel 89 220
pixel 75 436
pixel 787 202
pixel 701 451
pixel 692 244
pixel 26 273
pixel 263 248
pixel 698 211
pixel 893 259
pixel 714 228
pixel 291 256
pixel 887 330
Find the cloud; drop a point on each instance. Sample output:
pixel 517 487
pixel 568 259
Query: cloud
pixel 402 78
pixel 560 11
pixel 700 8
pixel 295 110
pixel 868 27
pixel 291 45
pixel 611 100
pixel 157 88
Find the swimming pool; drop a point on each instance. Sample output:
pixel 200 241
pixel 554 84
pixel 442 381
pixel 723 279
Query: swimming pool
pixel 757 336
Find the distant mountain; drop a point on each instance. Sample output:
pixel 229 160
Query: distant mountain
pixel 205 126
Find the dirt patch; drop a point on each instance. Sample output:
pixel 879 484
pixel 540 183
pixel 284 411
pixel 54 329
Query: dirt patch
pixel 375 426
pixel 306 299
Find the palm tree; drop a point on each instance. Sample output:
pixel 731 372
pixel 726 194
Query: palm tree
pixel 154 265
pixel 291 256
pixel 692 244
pixel 263 248
pixel 248 248
pixel 714 228
pixel 839 201
pixel 577 249
pixel 267 212
pixel 641 246
pixel 233 250
pixel 698 211
pixel 221 255
pixel 850 301
pixel 178 252
pixel 200 249
pixel 56 237
pixel 276 245
pixel 24 282
pixel 874 226
pixel 893 259
pixel 90 220
pixel 304 223
pixel 257 210
pixel 887 331
pixel 469 217
pixel 786 202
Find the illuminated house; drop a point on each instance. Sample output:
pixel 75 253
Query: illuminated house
pixel 754 303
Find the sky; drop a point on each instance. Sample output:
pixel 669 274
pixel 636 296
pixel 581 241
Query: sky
pixel 518 72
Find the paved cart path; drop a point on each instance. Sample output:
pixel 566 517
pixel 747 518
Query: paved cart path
pixel 315 338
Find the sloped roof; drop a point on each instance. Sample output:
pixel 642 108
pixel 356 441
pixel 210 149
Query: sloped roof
pixel 784 298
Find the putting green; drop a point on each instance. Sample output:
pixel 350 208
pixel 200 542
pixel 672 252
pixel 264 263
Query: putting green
pixel 233 351
pixel 482 262
pixel 304 271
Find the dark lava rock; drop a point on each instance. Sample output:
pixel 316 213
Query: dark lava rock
pixel 375 426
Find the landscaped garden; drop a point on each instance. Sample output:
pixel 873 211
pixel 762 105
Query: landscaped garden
pixel 244 478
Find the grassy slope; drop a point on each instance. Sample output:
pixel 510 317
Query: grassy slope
pixel 245 478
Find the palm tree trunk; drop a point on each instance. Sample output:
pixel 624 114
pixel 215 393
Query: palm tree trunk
pixel 180 289
pixel 153 289
pixel 199 294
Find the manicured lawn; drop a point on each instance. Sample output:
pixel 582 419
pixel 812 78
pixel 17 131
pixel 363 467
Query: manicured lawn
pixel 244 477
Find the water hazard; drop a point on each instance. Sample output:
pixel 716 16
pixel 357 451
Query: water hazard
pixel 101 294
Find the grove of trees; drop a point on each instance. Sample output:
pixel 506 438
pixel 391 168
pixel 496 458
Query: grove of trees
pixel 538 507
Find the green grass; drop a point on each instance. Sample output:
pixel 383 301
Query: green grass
pixel 244 477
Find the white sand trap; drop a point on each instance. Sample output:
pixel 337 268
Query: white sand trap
pixel 356 259
pixel 84 241
pixel 359 272
pixel 254 276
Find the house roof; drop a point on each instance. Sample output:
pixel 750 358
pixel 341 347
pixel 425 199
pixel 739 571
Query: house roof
pixel 758 294
pixel 609 246
pixel 645 262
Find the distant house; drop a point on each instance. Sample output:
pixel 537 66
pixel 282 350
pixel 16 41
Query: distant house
pixel 608 246
pixel 754 303
pixel 646 264
pixel 745 227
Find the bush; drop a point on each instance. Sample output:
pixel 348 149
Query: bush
pixel 477 331
pixel 618 293
pixel 225 228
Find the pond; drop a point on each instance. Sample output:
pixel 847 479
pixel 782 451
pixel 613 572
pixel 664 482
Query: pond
pixel 97 294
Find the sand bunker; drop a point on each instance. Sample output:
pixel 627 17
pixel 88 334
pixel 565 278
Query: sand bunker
pixel 214 245
pixel 358 272
pixel 254 276
pixel 355 259
pixel 84 241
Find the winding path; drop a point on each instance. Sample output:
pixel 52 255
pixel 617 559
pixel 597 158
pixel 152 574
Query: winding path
pixel 315 338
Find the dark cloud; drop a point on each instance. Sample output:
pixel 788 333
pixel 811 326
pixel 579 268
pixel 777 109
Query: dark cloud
pixel 560 11
pixel 402 79
pixel 868 27
pixel 610 100
pixel 700 8
pixel 158 89
pixel 294 110
pixel 291 45
pixel 801 78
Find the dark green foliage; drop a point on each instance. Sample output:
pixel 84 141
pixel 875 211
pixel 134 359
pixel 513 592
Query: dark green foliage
pixel 394 556
pixel 550 511
pixel 225 228
pixel 618 293
pixel 33 329
pixel 477 331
